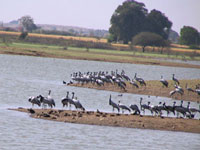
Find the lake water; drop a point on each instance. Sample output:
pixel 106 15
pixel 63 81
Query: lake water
pixel 24 76
pixel 193 62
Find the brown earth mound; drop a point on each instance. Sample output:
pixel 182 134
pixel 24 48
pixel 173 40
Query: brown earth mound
pixel 153 88
pixel 118 120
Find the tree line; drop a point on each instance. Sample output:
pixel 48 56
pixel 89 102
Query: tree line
pixel 131 22
pixel 132 18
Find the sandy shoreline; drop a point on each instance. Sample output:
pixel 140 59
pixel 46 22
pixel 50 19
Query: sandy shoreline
pixel 116 120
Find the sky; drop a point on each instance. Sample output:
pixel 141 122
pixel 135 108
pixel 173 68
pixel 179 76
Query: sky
pixel 96 14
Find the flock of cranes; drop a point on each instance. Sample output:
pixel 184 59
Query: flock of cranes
pixel 121 80
pixel 100 78
pixel 49 101
pixel 156 109
pixel 38 100
pixel 132 108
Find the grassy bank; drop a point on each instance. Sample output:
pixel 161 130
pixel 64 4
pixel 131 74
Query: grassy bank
pixel 175 51
pixel 44 50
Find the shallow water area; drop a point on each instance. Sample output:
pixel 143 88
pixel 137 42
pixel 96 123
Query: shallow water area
pixel 24 76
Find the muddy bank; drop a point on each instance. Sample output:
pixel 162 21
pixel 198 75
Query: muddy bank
pixel 153 88
pixel 117 120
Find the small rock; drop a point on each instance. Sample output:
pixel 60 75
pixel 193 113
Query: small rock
pixel 88 112
pixel 57 115
pixel 59 111
pixel 31 111
pixel 80 115
pixel 51 111
pixel 66 114
pixel 45 115
pixel 53 118
pixel 73 114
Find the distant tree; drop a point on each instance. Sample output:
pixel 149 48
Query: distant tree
pixel 149 39
pixel 173 36
pixel 27 23
pixel 5 41
pixel 23 35
pixel 110 38
pixel 127 20
pixel 158 23
pixel 189 36
pixel 132 17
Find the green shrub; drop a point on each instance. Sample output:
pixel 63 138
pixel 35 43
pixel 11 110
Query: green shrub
pixel 194 47
pixel 23 35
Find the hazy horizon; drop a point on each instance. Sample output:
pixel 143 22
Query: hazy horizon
pixel 96 14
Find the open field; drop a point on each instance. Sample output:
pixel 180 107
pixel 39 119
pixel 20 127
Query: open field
pixel 117 120
pixel 57 36
pixel 153 88
pixel 89 54
pixel 174 47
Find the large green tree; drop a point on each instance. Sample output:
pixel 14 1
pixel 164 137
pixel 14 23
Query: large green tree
pixel 27 23
pixel 127 20
pixel 189 36
pixel 158 23
pixel 132 17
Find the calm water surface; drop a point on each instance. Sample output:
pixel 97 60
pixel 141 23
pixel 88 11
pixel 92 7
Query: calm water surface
pixel 193 62
pixel 23 76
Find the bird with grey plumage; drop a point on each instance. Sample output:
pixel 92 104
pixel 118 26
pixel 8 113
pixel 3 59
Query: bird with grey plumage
pixel 180 109
pixel 47 100
pixel 140 80
pixel 113 104
pixel 135 108
pixel 78 104
pixel 34 100
pixel 144 107
pixel 123 107
pixel 164 82
pixel 65 100
pixel 176 81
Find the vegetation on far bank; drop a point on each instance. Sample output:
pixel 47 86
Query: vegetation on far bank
pixel 92 49
pixel 84 42
pixel 90 54
pixel 131 24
